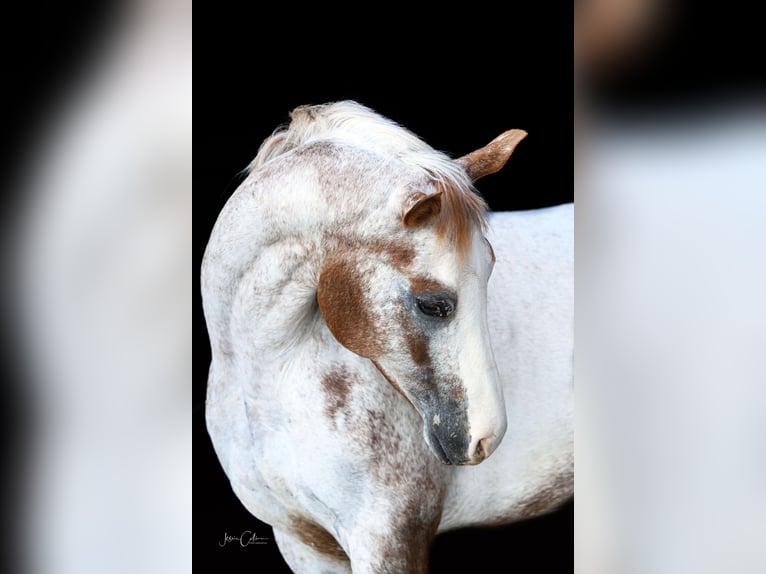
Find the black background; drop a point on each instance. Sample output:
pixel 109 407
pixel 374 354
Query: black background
pixel 457 87
pixel 705 55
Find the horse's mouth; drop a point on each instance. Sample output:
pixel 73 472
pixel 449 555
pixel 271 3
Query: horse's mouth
pixel 441 453
pixel 437 448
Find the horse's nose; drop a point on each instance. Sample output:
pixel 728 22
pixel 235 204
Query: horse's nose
pixel 482 448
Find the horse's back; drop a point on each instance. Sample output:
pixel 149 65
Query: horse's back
pixel 530 315
pixel 542 237
pixel 531 296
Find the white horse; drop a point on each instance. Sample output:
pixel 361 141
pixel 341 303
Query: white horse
pixel 360 372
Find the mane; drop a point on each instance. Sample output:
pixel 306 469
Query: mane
pixel 462 207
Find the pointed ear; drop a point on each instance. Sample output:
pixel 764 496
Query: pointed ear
pixel 419 208
pixel 491 157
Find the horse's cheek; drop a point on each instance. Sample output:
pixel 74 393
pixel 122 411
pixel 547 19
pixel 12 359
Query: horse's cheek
pixel 342 297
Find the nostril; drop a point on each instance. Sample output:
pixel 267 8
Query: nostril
pixel 482 448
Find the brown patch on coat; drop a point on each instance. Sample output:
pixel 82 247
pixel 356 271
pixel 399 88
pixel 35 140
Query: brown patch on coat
pixel 414 533
pixel 417 552
pixel 404 541
pixel 341 295
pixel 401 255
pixel 316 537
pixel 418 348
pixel 427 285
pixel 337 384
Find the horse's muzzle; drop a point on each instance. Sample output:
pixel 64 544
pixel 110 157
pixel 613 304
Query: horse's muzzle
pixel 455 447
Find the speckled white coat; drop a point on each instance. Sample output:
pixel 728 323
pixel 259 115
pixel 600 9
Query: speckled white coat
pixel 308 426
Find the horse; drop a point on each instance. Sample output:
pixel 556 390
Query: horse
pixel 369 386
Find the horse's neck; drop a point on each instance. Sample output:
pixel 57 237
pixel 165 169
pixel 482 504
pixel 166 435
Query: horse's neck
pixel 259 282
pixel 262 265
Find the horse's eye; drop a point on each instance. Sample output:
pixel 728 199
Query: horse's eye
pixel 435 307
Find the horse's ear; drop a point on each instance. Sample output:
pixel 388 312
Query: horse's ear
pixel 419 208
pixel 491 157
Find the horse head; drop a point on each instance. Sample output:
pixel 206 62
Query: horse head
pixel 409 293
